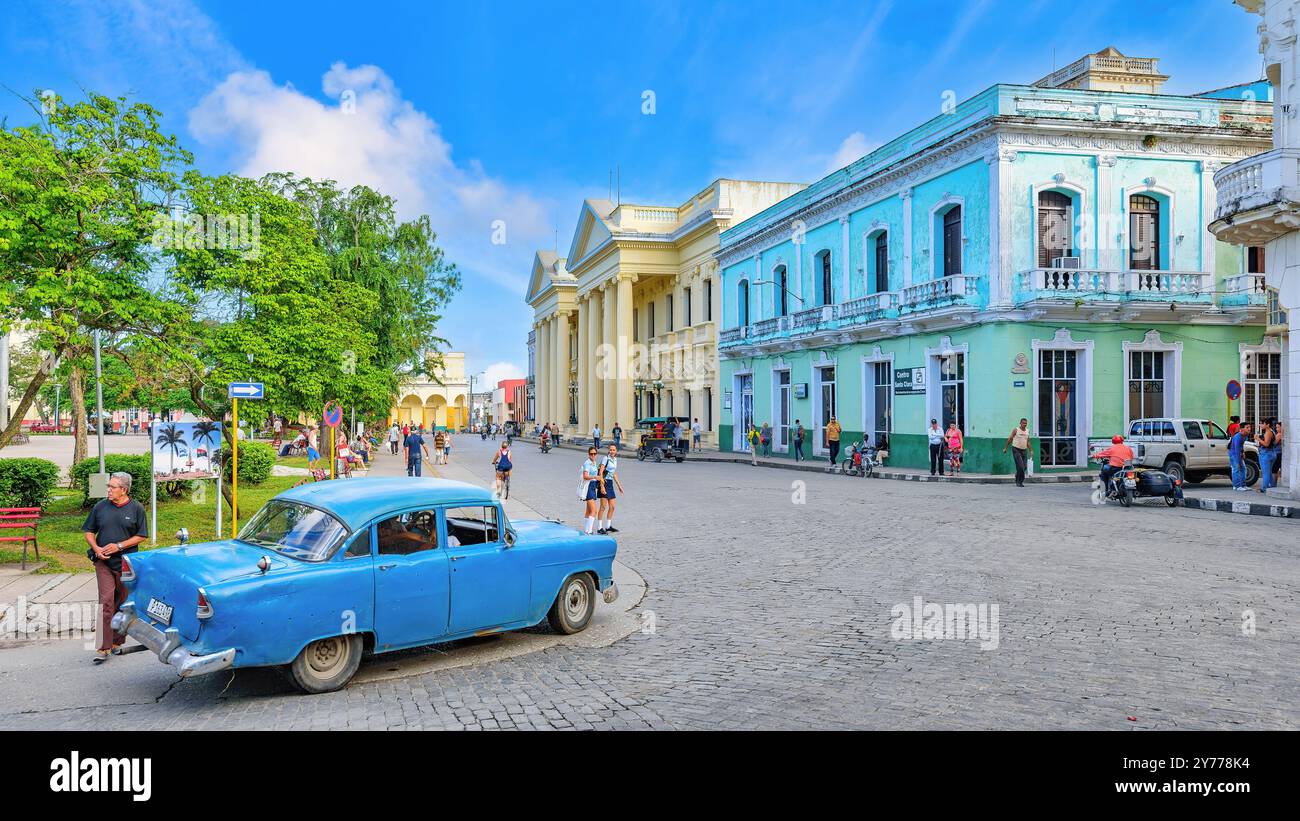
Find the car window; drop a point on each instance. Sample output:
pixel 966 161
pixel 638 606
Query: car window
pixel 359 545
pixel 1192 430
pixel 294 530
pixel 1135 429
pixel 476 524
pixel 1167 429
pixel 407 533
pixel 1213 431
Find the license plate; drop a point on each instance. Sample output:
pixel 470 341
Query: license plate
pixel 1127 483
pixel 160 611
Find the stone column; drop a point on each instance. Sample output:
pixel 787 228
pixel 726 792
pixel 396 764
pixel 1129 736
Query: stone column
pixel 562 367
pixel 584 360
pixel 593 384
pixel 609 381
pixel 623 388
pixel 542 367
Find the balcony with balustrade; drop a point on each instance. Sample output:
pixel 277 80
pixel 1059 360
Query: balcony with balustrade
pixel 1092 285
pixel 1258 198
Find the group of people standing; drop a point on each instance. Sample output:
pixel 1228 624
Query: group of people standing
pixel 416 449
pixel 598 488
pixel 760 439
pixel 1269 439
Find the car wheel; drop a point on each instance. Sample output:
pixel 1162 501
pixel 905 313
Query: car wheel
pixel 574 606
pixel 1171 500
pixel 326 665
pixel 1252 472
pixel 1176 471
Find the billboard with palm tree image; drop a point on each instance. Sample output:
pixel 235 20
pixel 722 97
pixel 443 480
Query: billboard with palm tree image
pixel 185 450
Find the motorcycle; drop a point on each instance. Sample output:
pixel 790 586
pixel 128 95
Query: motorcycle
pixel 860 460
pixel 546 445
pixel 1130 483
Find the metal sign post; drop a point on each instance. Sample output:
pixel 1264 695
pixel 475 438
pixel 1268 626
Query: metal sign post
pixel 333 417
pixel 248 390
pixel 1233 390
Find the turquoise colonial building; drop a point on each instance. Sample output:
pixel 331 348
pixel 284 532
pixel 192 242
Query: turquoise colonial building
pixel 1037 251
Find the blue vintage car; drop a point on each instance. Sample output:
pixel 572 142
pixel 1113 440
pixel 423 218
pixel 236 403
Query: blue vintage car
pixel 329 571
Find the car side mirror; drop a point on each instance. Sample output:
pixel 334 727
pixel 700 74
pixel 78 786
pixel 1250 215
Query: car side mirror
pixel 183 535
pixel 510 538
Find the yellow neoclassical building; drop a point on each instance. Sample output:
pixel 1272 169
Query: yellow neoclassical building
pixel 625 326
pixel 440 402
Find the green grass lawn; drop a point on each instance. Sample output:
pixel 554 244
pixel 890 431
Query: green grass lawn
pixel 296 461
pixel 63 547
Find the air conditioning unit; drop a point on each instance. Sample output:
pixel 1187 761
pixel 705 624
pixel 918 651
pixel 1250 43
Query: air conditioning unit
pixel 1065 262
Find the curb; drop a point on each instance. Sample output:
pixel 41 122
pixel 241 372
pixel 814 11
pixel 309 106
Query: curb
pixel 1246 508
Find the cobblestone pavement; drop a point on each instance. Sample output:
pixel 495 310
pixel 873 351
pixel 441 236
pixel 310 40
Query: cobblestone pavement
pixel 774 611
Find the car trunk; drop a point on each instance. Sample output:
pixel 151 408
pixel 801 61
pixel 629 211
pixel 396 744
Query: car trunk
pixel 173 576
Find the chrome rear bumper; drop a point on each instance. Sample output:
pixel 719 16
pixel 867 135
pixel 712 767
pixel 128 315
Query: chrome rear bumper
pixel 166 644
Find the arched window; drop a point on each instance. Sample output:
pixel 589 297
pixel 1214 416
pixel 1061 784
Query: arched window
pixel 742 303
pixel 952 241
pixel 1055 237
pixel 882 262
pixel 825 285
pixel 1143 233
pixel 782 291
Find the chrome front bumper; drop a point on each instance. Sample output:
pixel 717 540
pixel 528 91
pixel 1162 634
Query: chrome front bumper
pixel 167 645
pixel 611 593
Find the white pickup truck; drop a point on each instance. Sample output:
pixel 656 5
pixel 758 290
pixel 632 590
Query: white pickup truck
pixel 1188 449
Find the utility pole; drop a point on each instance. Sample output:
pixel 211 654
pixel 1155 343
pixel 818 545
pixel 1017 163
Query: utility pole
pixel 99 403
pixel 4 380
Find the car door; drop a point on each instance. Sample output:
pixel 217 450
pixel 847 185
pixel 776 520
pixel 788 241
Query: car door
pixel 411 580
pixel 1216 440
pixel 1198 450
pixel 490 582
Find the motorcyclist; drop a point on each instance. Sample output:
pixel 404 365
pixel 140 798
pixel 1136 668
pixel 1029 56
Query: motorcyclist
pixel 546 440
pixel 1115 456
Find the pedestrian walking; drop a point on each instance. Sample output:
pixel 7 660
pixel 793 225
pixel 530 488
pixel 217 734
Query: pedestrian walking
pixel 833 432
pixel 1018 441
pixel 394 436
pixel 798 440
pixel 589 491
pixel 953 443
pixel 115 527
pixel 446 447
pixel 696 430
pixel 414 447
pixel 610 483
pixel 752 438
pixel 1269 453
pixel 313 452
pixel 617 433
pixel 935 437
pixel 765 437
pixel 1237 456
pixel 439 442
pixel 595 437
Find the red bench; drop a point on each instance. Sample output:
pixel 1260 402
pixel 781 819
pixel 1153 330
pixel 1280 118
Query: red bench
pixel 21 518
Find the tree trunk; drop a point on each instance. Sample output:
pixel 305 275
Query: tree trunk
pixel 77 392
pixel 29 396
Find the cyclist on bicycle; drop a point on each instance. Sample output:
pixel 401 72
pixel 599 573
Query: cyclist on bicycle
pixel 503 464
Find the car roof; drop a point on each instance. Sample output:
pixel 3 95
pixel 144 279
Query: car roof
pixel 357 501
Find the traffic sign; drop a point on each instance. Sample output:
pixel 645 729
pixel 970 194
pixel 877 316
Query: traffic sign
pixel 246 390
pixel 333 413
pixel 1234 389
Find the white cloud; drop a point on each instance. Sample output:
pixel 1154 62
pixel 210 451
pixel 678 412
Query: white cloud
pixel 369 134
pixel 497 371
pixel 855 146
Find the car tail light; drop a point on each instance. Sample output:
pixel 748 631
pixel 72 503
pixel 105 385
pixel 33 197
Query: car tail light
pixel 205 606
pixel 1132 475
pixel 1178 482
pixel 128 572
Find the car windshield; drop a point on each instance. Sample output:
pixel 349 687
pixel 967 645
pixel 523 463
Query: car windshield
pixel 294 530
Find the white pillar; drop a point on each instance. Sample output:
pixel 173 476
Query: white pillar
pixel 610 381
pixel 906 196
pixel 1107 215
pixel 542 366
pixel 844 243
pixel 584 362
pixel 562 366
pixel 623 389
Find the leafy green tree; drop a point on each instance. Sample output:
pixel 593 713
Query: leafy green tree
pixel 79 193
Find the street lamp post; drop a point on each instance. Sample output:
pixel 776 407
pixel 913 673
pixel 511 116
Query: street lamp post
pixel 573 408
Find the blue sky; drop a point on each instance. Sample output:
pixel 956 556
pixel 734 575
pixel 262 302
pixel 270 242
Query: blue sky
pixel 475 113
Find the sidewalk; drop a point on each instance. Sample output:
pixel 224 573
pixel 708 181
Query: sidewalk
pixel 821 465
pixel 1225 500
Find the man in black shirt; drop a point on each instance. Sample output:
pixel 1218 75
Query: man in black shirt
pixel 115 526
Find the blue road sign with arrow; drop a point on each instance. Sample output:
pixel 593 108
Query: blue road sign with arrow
pixel 245 390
